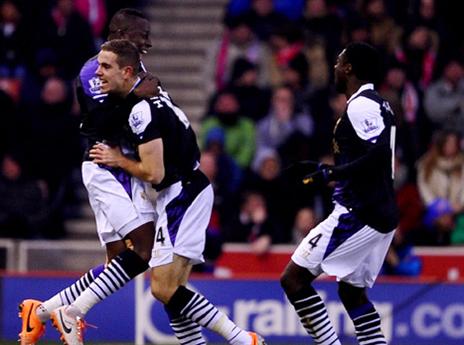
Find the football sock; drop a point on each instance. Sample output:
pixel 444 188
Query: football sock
pixel 69 294
pixel 186 331
pixel 116 274
pixel 367 325
pixel 197 308
pixel 313 316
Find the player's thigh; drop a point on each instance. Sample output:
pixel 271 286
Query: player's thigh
pixel 183 216
pixel 311 251
pixel 371 255
pixel 119 206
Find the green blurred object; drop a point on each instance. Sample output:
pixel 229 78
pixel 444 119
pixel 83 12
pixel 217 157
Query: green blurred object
pixel 457 236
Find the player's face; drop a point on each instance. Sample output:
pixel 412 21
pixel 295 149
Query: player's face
pixel 139 34
pixel 340 73
pixel 110 74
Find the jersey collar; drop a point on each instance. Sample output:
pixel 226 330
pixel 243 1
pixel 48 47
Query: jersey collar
pixel 368 86
pixel 137 82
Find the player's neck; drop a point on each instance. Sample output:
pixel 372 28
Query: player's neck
pixel 129 85
pixel 353 86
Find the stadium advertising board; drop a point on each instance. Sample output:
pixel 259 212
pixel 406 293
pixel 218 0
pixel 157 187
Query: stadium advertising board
pixel 412 313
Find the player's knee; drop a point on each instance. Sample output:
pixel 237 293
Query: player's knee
pixel 145 254
pixel 351 296
pixel 162 292
pixel 159 292
pixel 290 284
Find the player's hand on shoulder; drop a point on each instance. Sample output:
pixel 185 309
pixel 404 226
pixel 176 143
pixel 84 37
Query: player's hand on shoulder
pixel 148 86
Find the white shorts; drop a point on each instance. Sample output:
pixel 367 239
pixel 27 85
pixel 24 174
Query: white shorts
pixel 344 247
pixel 184 213
pixel 119 201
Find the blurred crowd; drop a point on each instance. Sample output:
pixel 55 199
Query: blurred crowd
pixel 269 79
pixel 271 103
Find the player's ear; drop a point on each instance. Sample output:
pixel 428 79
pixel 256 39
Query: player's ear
pixel 129 71
pixel 348 68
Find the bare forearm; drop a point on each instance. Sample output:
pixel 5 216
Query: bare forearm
pixel 139 170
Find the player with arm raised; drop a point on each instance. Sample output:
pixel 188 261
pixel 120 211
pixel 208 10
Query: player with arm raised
pixel 352 242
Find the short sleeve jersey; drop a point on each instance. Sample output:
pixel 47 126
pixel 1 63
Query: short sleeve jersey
pixel 102 115
pixel 367 124
pixel 160 118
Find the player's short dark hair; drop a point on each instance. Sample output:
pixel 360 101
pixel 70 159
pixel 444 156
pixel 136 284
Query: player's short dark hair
pixel 365 61
pixel 126 52
pixel 123 20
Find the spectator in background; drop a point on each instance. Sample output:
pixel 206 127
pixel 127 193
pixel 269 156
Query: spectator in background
pixel 254 224
pixel 418 50
pixel 94 12
pixel 296 76
pixel 69 35
pixel 265 177
pixel 254 100
pixel 322 24
pixel 223 172
pixel 444 99
pixel 305 220
pixel 384 33
pixel 441 186
pixel 356 29
pixel 239 130
pixel 237 40
pixel 214 237
pixel 400 258
pixel 45 66
pixel 23 203
pixel 264 18
pixel 287 45
pixel 14 43
pixel 284 125
pixel 405 102
pixel 427 13
pixel 55 150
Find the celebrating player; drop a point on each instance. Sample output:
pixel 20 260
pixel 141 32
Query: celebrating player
pixel 352 242
pixel 169 159
pixel 119 201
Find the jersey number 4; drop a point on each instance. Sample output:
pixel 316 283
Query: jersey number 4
pixel 313 240
pixel 160 236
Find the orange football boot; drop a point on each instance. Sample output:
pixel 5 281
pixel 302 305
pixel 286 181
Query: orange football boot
pixel 256 339
pixel 32 328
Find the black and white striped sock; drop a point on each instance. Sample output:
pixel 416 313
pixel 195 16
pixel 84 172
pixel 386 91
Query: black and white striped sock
pixel 186 331
pixel 116 274
pixel 313 315
pixel 69 294
pixel 367 325
pixel 197 308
